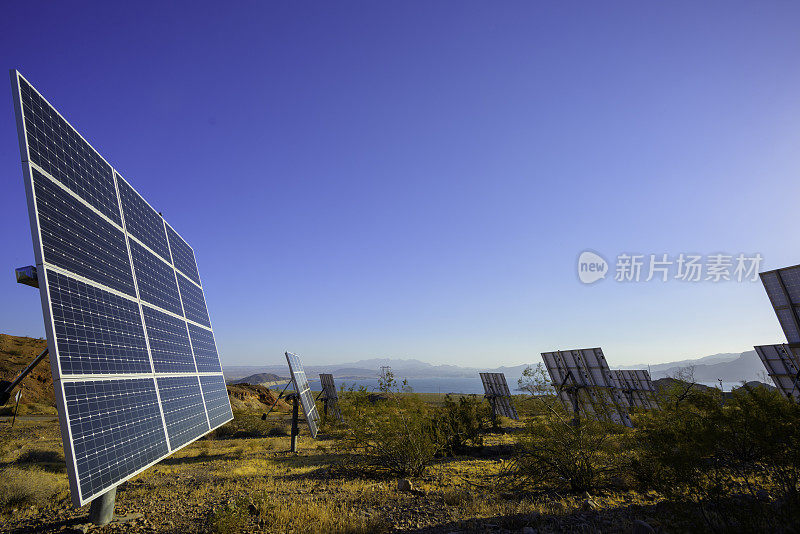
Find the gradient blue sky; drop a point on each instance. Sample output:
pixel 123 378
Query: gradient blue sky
pixel 417 179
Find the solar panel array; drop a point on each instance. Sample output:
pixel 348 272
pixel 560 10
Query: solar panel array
pixel 303 391
pixel 132 352
pixel 329 390
pixel 582 377
pixel 783 289
pixel 783 366
pixel 637 387
pixel 496 389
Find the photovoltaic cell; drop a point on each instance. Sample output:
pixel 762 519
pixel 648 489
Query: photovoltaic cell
pixel 329 390
pixel 169 342
pixel 116 430
pixel 77 239
pixel 156 280
pixel 303 391
pixel 194 303
pixel 142 221
pixel 496 390
pixel 783 365
pixel 216 396
pixel 183 407
pixel 205 349
pixel 182 255
pixel 128 390
pixel 58 149
pixel 583 376
pixel 97 332
pixel 783 290
pixel 637 387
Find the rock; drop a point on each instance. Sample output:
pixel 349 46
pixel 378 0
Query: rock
pixel 640 527
pixel 404 485
pixel 529 530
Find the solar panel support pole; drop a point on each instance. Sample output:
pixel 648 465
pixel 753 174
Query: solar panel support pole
pixel 101 511
pixel 295 417
pixel 7 387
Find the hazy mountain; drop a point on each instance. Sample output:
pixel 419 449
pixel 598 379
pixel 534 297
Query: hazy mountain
pixel 258 378
pixel 730 367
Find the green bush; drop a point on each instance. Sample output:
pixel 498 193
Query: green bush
pixel 394 434
pixel 462 423
pixel 715 451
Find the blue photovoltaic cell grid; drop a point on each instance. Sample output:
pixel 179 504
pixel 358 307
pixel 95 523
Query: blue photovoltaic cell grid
pixel 182 255
pixel 60 151
pixel 304 391
pixel 141 221
pixel 116 428
pixel 118 425
pixel 183 409
pixel 97 332
pixel 156 280
pixel 774 289
pixel 194 304
pixel 169 342
pixel 791 281
pixel 205 350
pixel 216 397
pixel 77 239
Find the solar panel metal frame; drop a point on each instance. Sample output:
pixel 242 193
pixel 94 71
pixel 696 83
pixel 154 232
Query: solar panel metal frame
pixel 329 390
pixel 783 364
pixel 70 380
pixel 496 390
pixel 638 387
pixel 585 374
pixel 783 289
pixel 303 391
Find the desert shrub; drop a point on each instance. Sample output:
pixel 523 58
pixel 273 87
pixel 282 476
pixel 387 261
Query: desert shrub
pixel 393 436
pixel 716 452
pixel 461 423
pixel 557 452
pixel 28 486
pixel 230 518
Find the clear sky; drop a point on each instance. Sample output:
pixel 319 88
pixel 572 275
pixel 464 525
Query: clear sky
pixel 417 179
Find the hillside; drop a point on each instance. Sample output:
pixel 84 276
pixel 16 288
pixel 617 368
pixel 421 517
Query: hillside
pixel 259 378
pixel 17 352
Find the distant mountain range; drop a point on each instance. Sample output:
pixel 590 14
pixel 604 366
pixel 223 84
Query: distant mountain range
pixel 730 367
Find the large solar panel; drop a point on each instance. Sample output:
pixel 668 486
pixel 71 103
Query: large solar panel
pixel 582 377
pixel 496 390
pixel 783 365
pixel 783 290
pixel 132 352
pixel 637 387
pixel 303 391
pixel 331 397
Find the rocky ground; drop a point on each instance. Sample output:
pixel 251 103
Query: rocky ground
pixel 229 484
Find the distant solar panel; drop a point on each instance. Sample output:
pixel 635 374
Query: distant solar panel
pixel 637 386
pixel 132 352
pixel 329 391
pixel 496 390
pixel 303 391
pixel 783 366
pixel 582 378
pixel 783 289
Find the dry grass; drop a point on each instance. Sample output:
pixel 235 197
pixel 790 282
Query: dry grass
pixel 32 486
